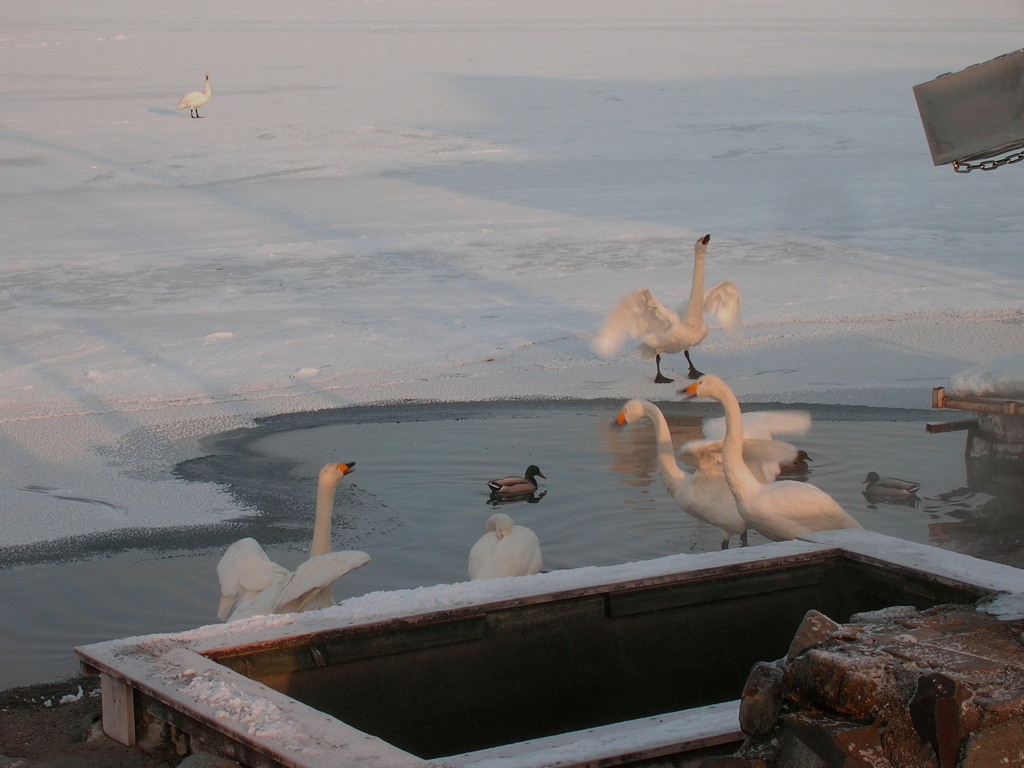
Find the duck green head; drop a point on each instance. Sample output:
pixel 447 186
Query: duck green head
pixel 534 471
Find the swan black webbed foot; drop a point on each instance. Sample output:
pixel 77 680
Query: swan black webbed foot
pixel 693 373
pixel 660 378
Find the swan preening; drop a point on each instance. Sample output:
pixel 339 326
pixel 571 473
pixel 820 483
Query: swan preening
pixel 193 100
pixel 515 485
pixel 661 330
pixel 506 549
pixel 251 584
pixel 778 510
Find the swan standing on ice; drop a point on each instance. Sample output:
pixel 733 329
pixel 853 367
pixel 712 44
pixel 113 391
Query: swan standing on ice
pixel 505 550
pixel 705 497
pixel 193 100
pixel 514 484
pixel 778 510
pixel 663 331
pixel 251 584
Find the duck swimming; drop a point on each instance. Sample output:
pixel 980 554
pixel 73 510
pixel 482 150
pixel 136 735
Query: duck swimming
pixel 889 487
pixel 797 466
pixel 515 484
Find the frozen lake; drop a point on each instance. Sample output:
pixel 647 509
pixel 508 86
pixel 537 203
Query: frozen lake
pixel 417 502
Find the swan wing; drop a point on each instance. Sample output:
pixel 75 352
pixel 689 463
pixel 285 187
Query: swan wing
pixel 638 315
pixel 763 424
pixel 316 575
pixel 766 457
pixel 763 457
pixel 704 455
pixel 244 571
pixel 722 302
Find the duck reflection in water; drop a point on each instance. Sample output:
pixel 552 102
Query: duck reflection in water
pixel 531 497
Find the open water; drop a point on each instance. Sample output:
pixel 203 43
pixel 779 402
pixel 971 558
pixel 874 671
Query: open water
pixel 418 501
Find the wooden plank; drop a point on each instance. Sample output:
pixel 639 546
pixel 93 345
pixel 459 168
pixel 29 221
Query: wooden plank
pixel 631 742
pixel 976 403
pixel 936 428
pixel 118 709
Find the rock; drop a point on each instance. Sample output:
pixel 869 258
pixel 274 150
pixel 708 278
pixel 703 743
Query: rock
pixel 935 713
pixel 762 699
pixel 1001 744
pixel 815 629
pixel 839 743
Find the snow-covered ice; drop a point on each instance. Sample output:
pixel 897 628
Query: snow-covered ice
pixel 440 200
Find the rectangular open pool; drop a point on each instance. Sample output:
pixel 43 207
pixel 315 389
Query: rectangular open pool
pixel 616 664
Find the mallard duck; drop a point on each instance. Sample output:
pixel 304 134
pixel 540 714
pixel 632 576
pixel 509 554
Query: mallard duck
pixel 797 466
pixel 514 484
pixel 505 550
pixel 664 331
pixel 779 510
pixel 891 487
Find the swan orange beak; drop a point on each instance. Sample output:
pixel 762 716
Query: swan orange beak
pixel 347 467
pixel 620 419
pixel 706 239
pixel 690 391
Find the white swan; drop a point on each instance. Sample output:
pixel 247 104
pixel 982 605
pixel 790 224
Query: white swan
pixel 663 331
pixel 505 550
pixel 778 510
pixel 193 100
pixel 251 584
pixel 703 496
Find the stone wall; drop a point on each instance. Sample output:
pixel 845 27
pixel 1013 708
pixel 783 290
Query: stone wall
pixel 897 688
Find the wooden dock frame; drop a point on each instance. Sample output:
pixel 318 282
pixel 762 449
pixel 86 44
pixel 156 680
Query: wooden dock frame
pixel 998 405
pixel 175 679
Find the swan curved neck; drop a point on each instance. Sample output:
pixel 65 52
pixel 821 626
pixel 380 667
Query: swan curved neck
pixel 668 467
pixel 737 473
pixel 322 524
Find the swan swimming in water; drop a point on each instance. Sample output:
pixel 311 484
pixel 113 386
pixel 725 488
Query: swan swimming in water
pixel 506 549
pixel 664 331
pixel 251 584
pixel 193 100
pixel 516 484
pixel 779 510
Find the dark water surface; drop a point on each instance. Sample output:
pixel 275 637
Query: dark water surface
pixel 418 501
